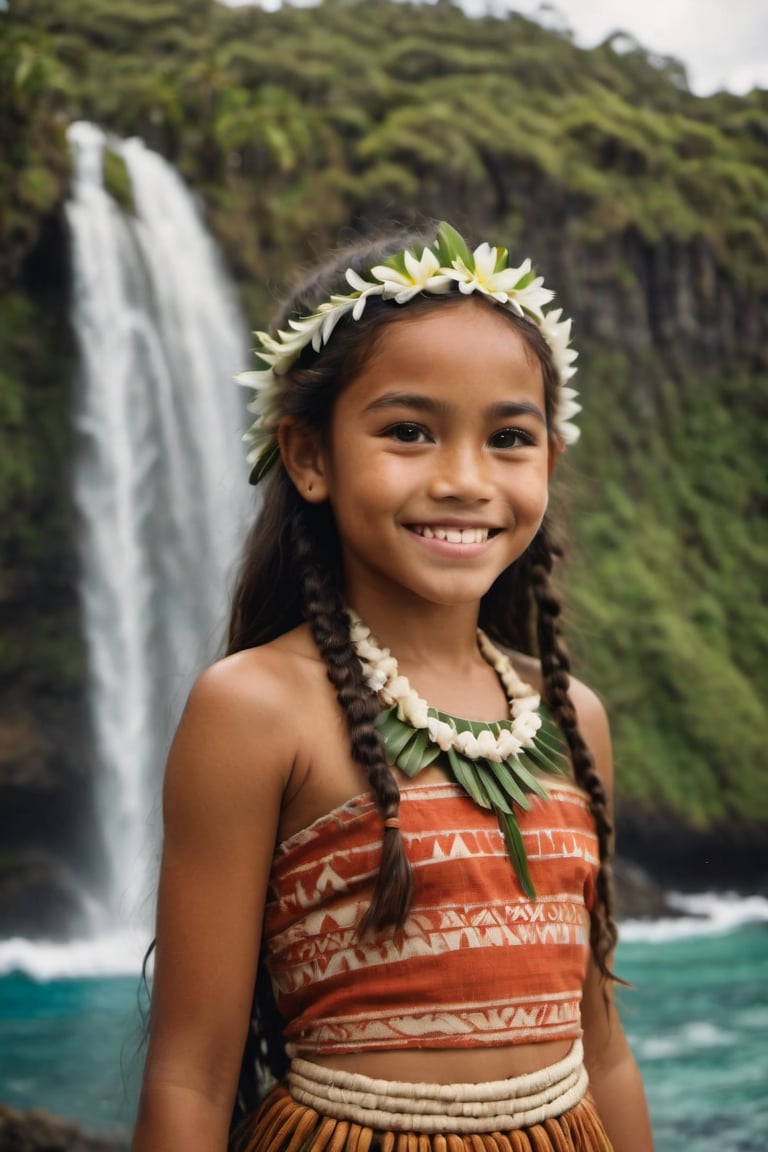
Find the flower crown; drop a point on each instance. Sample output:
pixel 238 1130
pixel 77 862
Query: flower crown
pixel 439 269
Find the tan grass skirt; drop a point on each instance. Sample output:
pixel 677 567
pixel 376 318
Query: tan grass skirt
pixel 548 1111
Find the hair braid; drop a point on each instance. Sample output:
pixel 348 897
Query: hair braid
pixel 556 667
pixel 393 889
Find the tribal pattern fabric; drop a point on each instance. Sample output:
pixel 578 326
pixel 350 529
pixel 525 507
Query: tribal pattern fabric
pixel 511 969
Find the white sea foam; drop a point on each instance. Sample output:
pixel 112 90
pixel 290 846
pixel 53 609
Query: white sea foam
pixel 694 1035
pixel 118 954
pixel 705 914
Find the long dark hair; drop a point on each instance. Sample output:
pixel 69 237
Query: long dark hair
pixel 291 572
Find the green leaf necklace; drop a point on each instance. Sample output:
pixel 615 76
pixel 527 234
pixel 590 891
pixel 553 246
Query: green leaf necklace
pixel 496 764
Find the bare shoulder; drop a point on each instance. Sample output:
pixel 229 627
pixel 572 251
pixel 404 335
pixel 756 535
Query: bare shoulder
pixel 594 727
pixel 236 729
pixel 590 709
pixel 255 684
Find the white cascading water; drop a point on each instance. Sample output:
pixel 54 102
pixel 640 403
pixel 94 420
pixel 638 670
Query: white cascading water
pixel 160 484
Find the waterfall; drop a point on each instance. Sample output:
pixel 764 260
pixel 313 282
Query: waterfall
pixel 159 486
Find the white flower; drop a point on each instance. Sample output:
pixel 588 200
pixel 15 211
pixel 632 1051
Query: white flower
pixel 525 704
pixel 533 297
pixel 526 727
pixel 424 275
pixel 388 664
pixel 364 287
pixel 557 333
pixel 366 651
pixel 467 744
pixel 410 706
pixel 440 733
pixel 399 686
pixel 417 711
pixel 258 380
pixel 483 277
pixel 487 745
pixel 568 406
pixel 509 745
pixel 501 285
pixel 376 679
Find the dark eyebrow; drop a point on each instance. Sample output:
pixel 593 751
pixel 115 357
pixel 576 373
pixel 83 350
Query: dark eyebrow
pixel 509 409
pixel 506 410
pixel 407 400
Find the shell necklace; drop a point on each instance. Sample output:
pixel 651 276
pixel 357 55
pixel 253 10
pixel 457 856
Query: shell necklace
pixel 486 760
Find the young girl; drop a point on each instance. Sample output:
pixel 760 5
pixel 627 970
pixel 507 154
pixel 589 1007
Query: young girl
pixel 421 902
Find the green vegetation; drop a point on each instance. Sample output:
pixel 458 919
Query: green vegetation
pixel 40 640
pixel 646 205
pixel 672 618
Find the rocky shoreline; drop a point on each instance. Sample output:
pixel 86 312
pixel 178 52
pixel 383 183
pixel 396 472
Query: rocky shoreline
pixel 37 1131
pixel 638 896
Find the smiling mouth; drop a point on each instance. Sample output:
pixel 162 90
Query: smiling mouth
pixel 453 535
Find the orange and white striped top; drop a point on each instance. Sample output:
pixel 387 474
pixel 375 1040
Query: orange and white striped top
pixel 475 964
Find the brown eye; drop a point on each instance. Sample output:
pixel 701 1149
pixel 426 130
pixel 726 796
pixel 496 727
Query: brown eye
pixel 407 433
pixel 511 438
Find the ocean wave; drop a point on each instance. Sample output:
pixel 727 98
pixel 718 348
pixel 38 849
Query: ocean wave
pixel 116 954
pixel 695 1035
pixel 704 914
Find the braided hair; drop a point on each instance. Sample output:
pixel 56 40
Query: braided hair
pixel 292 573
pixel 555 670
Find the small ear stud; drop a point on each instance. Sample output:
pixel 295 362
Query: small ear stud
pixel 309 486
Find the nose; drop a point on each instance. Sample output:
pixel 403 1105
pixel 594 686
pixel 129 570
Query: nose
pixel 461 472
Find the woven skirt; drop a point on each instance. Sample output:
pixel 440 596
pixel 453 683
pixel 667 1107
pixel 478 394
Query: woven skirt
pixel 320 1110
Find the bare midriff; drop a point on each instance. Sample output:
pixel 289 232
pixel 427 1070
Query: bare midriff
pixel 450 1065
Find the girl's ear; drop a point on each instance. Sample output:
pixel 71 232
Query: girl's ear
pixel 302 453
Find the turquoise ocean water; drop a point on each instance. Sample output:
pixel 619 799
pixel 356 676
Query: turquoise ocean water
pixel 697 1019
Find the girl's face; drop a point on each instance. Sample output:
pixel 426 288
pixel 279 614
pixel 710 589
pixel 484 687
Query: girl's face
pixel 438 459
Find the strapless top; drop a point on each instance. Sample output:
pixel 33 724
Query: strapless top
pixel 475 964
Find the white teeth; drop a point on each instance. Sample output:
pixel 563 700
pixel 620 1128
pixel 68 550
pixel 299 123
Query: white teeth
pixel 452 535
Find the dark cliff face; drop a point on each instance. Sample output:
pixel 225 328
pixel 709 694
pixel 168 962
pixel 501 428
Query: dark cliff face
pixel 731 854
pixel 672 305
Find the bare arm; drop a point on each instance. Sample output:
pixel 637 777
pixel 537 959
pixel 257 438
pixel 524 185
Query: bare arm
pixel 224 782
pixel 613 1074
pixel 614 1079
